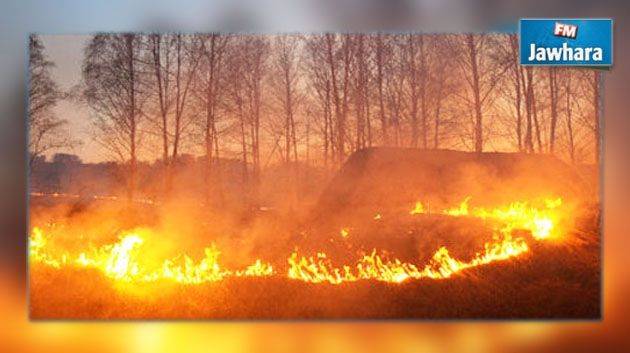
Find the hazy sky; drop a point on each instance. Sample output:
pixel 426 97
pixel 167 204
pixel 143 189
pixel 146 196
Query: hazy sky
pixel 67 53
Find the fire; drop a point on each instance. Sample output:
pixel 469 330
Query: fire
pixel 419 209
pixel 316 271
pixel 462 210
pixel 121 264
pixel 258 269
pixel 124 261
pixel 128 260
pixel 379 267
pixel 521 215
pixel 37 249
pixel 540 221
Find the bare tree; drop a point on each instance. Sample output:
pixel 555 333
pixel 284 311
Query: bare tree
pixel 596 82
pixel 161 58
pixel 173 60
pixel 417 74
pixel 381 54
pixel 343 91
pixel 46 129
pixel 553 95
pixel 320 80
pixel 113 89
pixel 395 83
pixel 473 51
pixel 214 48
pixel 186 63
pixel 482 74
pixel 442 88
pixel 286 66
pixel 248 60
pixel 517 81
pixel 362 94
pixel 529 109
pixel 339 53
pixel 569 119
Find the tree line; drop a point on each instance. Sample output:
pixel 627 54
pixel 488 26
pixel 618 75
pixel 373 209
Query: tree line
pixel 315 99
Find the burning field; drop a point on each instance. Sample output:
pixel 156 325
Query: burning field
pixel 531 253
pixel 310 176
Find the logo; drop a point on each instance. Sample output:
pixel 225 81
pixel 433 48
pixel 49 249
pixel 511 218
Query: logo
pixel 565 30
pixel 566 42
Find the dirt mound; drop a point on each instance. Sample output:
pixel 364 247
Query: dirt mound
pixel 374 179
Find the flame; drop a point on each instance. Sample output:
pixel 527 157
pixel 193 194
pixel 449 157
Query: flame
pixel 121 263
pixel 521 215
pixel 418 209
pixel 462 210
pixel 124 261
pixel 517 215
pixel 379 267
pixel 36 248
pixel 128 261
pixel 258 269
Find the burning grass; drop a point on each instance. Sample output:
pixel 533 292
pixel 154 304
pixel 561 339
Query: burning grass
pixel 137 274
pixel 127 259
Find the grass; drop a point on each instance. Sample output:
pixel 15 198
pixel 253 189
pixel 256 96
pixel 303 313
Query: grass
pixel 553 281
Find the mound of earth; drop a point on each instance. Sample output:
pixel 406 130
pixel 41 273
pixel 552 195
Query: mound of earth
pixel 373 193
pixel 375 179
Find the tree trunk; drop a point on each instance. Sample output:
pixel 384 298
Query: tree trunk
pixel 478 128
pixel 553 95
pixel 379 79
pixel 423 90
pixel 336 100
pixel 535 116
pixel 529 141
pixel 518 84
pixel 413 85
pixel 132 120
pixel 438 105
pixel 570 120
pixel 210 128
pixel 596 104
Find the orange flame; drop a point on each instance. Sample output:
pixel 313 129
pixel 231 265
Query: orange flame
pixel 377 267
pixel 126 261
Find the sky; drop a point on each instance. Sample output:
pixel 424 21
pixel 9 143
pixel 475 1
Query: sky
pixel 66 51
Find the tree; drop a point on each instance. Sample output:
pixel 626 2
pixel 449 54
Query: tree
pixel 553 95
pixel 516 71
pixel 320 80
pixel 286 66
pixel 482 73
pixel 46 130
pixel 473 52
pixel 339 53
pixel 113 88
pixel 442 86
pixel 248 68
pixel 161 59
pixel 569 119
pixel 596 82
pixel 214 48
pixel 381 50
pixel 362 94
pixel 255 54
pixel 417 87
pixel 174 59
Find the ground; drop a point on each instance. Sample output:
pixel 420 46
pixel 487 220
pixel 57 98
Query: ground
pixel 369 199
